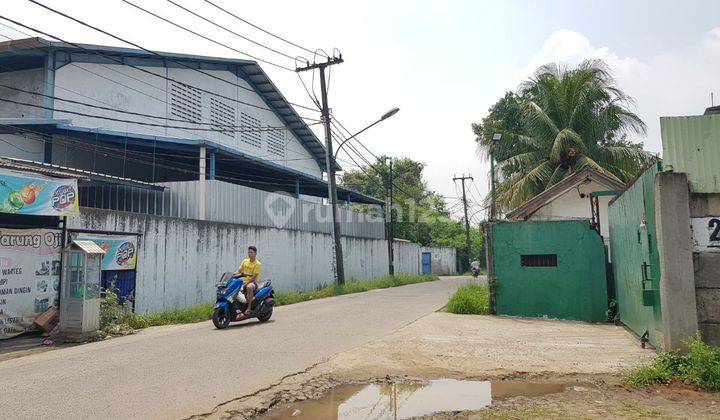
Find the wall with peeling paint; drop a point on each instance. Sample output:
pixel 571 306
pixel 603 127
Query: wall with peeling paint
pixel 180 260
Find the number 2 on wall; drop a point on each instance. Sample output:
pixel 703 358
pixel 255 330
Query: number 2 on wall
pixel 715 225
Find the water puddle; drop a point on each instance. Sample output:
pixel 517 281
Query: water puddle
pixel 401 400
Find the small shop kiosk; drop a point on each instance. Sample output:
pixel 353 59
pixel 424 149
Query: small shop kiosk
pixel 80 300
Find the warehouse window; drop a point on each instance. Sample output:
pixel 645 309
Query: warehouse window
pixel 276 142
pixel 186 102
pixel 251 133
pixel 538 260
pixel 222 116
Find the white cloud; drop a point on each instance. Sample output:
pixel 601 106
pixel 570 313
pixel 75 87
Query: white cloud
pixel 673 83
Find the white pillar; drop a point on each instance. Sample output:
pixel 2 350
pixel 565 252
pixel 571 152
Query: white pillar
pixel 201 189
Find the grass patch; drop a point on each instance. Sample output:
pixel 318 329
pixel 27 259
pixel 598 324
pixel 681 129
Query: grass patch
pixel 118 318
pixel 700 366
pixel 471 299
pixel 353 286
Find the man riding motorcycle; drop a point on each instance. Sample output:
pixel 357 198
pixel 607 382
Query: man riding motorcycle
pixel 249 269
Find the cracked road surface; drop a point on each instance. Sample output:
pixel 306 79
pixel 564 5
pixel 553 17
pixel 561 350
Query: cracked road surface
pixel 184 370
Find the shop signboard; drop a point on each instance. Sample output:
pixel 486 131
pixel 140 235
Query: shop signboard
pixel 37 195
pixel 29 277
pixel 120 251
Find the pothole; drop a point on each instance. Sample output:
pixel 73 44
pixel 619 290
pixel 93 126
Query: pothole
pixel 408 399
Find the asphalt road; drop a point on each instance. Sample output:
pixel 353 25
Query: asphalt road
pixel 178 371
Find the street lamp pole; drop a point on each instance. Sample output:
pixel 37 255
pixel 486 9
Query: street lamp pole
pixel 389 228
pixel 384 117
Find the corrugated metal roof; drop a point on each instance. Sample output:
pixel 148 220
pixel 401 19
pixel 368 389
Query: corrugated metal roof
pixel 692 145
pixel 251 70
pixel 58 171
pixel 89 247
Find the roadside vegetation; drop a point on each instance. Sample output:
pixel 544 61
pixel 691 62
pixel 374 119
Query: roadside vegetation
pixel 352 286
pixel 471 299
pixel 117 318
pixel 420 214
pixel 700 366
pixel 561 120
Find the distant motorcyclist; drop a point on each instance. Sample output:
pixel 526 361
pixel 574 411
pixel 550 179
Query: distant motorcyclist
pixel 475 268
pixel 249 269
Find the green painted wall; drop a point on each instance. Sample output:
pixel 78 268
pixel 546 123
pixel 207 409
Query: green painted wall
pixel 633 242
pixel 575 289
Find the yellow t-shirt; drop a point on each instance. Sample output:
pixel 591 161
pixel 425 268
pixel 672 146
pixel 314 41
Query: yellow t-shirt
pixel 249 268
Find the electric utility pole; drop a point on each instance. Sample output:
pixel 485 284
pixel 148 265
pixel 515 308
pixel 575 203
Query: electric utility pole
pixel 389 215
pixel 467 222
pixel 338 267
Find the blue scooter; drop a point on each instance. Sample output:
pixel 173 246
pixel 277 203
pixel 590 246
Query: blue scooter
pixel 231 301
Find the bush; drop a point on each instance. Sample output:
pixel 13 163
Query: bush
pixel 114 316
pixel 470 299
pixel 700 366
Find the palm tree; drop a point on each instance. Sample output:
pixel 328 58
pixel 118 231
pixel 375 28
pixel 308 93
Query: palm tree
pixel 564 120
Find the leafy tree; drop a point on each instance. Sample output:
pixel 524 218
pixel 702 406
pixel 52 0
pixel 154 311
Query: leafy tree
pixel 421 215
pixel 560 121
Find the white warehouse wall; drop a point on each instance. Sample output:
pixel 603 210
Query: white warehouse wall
pixel 143 93
pixel 30 80
pixel 21 146
pixel 180 260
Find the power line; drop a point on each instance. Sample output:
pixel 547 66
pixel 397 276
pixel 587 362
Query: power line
pixel 177 25
pixel 184 130
pixel 81 145
pixel 228 30
pixel 164 57
pixel 139 91
pixel 222 128
pixel 357 140
pixel 269 128
pixel 259 28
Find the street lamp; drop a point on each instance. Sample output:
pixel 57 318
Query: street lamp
pixel 388 204
pixel 384 117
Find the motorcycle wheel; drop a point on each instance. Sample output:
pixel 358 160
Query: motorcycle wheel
pixel 265 316
pixel 220 318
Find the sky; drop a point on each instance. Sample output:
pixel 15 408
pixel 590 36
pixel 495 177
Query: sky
pixel 443 63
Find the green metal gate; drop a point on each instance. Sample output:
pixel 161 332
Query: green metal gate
pixel 635 259
pixel 550 268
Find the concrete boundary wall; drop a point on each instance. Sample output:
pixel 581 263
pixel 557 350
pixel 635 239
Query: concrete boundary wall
pixel 230 203
pixel 706 265
pixel 677 288
pixel 180 260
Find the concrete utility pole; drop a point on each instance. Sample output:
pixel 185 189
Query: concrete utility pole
pixel 391 224
pixel 338 266
pixel 467 222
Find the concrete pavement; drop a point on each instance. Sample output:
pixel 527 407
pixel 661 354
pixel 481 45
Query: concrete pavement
pixel 179 371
